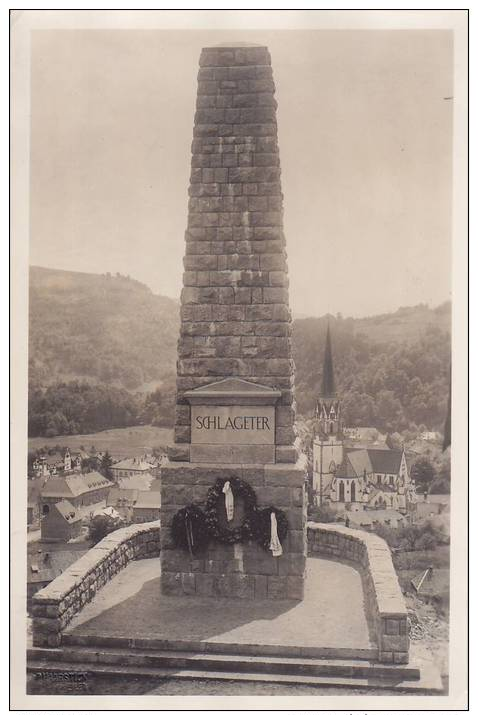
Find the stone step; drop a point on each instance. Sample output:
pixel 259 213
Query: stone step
pixel 429 685
pixel 286 651
pixel 219 662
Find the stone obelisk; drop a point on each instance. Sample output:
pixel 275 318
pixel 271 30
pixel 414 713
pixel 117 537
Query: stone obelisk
pixel 235 374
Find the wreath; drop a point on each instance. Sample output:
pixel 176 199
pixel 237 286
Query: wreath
pixel 189 530
pixel 261 525
pixel 215 497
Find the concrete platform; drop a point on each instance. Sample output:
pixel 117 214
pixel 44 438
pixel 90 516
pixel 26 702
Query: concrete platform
pixel 329 621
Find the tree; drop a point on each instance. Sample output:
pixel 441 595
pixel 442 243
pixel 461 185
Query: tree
pixel 423 472
pixel 322 514
pixel 100 526
pixel 106 464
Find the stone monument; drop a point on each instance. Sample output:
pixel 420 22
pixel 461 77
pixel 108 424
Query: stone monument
pixel 235 408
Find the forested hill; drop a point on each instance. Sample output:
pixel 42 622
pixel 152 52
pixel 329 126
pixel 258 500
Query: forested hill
pixel 392 369
pixel 102 328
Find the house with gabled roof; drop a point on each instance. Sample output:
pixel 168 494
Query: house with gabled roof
pixel 147 507
pixel 62 522
pixel 79 489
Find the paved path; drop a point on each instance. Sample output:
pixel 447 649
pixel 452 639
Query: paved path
pixel 330 616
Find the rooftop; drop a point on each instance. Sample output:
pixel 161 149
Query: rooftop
pixel 136 463
pixel 74 485
pixel 68 511
pixel 148 500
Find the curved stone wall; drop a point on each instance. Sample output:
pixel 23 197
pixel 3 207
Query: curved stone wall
pixel 385 601
pixel 56 604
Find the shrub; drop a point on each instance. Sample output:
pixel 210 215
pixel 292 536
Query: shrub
pixel 100 526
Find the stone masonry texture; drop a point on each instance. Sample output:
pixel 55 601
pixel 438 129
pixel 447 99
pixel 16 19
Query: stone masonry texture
pixel 235 322
pixel 235 317
pixel 384 604
pixel 56 604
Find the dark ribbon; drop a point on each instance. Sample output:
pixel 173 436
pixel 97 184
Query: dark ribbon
pixel 189 533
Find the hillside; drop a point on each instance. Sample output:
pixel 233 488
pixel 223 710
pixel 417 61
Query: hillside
pixel 101 328
pixel 392 370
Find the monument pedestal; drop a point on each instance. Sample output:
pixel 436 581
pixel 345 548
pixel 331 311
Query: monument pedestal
pixel 242 570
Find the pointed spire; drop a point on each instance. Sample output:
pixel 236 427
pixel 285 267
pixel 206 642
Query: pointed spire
pixel 328 382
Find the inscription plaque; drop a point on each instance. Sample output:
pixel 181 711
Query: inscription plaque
pixel 232 424
pixel 233 421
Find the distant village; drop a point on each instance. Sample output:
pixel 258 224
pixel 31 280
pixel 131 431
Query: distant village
pixel 68 491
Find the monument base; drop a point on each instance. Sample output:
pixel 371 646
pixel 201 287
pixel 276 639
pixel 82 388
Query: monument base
pixel 242 570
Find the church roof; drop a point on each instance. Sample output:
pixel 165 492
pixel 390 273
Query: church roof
pixel 328 381
pixel 377 461
pixel 386 461
pixel 360 462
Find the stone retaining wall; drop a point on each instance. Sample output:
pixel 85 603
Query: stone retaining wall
pixel 56 604
pixel 384 597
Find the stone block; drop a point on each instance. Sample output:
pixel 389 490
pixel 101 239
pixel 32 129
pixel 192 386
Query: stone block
pixel 295 541
pixel 257 561
pixel 295 587
pixel 284 475
pixel 401 657
pixel 286 454
pixel 392 626
pixel 260 587
pixel 188 584
pixel 205 584
pixel 385 657
pixel 277 587
pixel 296 518
pixel 182 433
pixel 171 584
pixel 233 454
pixel 394 643
pixel 178 453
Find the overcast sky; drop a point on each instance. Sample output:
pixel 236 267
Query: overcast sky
pixel 365 145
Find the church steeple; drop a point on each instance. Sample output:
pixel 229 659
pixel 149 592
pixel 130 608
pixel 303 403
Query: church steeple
pixel 327 411
pixel 328 381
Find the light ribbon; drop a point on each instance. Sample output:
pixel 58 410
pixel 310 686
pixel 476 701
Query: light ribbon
pixel 275 545
pixel 229 500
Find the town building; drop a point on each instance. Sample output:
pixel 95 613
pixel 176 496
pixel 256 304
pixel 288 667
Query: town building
pixel 51 465
pixel 62 522
pixel 147 507
pixel 345 473
pixel 123 501
pixel 134 467
pixel 34 501
pixel 81 490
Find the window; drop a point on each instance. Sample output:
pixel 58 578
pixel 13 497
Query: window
pixel 341 492
pixel 379 478
pixel 352 492
pixel 45 509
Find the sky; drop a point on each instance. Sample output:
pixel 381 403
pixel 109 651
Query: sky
pixel 365 138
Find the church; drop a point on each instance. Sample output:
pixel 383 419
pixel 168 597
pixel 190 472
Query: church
pixel 345 476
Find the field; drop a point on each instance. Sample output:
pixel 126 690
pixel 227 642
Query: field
pixel 124 442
